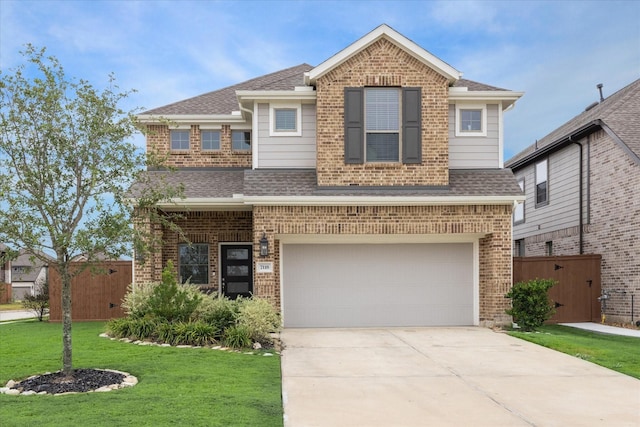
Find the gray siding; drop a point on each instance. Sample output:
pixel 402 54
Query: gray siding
pixel 562 211
pixel 287 151
pixel 475 152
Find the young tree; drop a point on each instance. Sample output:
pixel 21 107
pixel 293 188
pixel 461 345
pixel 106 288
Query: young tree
pixel 66 163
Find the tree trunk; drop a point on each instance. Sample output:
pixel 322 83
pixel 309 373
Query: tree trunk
pixel 67 367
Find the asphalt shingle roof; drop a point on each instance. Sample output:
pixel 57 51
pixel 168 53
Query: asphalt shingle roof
pixel 203 184
pixel 620 112
pixel 224 101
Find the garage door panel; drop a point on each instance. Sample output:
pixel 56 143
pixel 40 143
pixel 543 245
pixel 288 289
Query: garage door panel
pixel 377 285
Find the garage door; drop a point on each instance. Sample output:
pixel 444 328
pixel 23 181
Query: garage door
pixel 356 285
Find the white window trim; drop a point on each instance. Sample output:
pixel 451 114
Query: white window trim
pixel 464 106
pixel 272 118
pixel 399 132
pixel 520 207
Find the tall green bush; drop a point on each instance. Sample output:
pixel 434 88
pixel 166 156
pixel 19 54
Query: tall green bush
pixel 172 301
pixel 531 305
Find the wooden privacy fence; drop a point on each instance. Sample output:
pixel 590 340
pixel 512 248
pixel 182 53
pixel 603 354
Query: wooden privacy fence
pixel 94 295
pixel 578 288
pixel 5 293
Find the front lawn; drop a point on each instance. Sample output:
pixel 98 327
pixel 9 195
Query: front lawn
pixel 177 386
pixel 618 353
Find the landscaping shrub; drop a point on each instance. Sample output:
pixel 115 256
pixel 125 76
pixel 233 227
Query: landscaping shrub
pixel 531 305
pixel 219 312
pixel 171 301
pixel 119 328
pixel 259 317
pixel 136 301
pixel 237 336
pixel 193 333
pixel 38 303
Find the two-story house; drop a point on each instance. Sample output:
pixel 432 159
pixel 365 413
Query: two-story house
pixel 582 186
pixel 366 191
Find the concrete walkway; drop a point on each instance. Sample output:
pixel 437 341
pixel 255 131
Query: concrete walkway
pixel 16 315
pixel 605 329
pixel 445 377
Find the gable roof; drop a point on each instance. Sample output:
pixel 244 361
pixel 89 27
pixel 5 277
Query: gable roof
pixel 618 115
pixel 224 101
pixel 387 32
pixel 33 266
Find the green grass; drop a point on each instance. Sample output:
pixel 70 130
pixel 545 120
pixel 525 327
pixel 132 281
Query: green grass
pixel 12 306
pixel 615 352
pixel 193 387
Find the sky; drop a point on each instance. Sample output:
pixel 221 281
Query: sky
pixel 553 51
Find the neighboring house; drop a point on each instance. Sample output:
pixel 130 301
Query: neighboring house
pixel 366 191
pixel 28 273
pixel 582 186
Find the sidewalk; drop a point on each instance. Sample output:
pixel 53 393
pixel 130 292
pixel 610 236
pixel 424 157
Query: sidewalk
pixel 16 315
pixel 604 329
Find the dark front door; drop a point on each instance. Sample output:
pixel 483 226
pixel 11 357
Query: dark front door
pixel 237 270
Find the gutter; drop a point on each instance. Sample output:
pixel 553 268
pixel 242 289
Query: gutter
pixel 579 133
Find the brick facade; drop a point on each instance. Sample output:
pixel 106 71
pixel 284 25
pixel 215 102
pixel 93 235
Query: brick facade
pixel 494 221
pixel 382 64
pixel 159 141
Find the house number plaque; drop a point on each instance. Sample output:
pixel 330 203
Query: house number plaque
pixel 265 267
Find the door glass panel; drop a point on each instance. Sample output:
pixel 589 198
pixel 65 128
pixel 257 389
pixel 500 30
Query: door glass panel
pixel 237 287
pixel 237 253
pixel 237 270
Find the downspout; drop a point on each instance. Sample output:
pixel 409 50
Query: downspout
pixel 580 172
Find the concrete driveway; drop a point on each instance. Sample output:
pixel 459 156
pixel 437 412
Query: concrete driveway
pixel 462 376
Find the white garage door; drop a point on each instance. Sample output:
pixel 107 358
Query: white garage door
pixel 356 285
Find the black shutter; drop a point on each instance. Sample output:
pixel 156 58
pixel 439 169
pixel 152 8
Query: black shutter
pixel 353 125
pixel 411 125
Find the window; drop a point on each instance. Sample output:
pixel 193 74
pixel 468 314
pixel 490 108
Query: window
pixel 542 185
pixel 194 263
pixel 180 139
pixel 548 248
pixel 518 247
pixel 210 140
pixel 471 120
pixel 285 119
pixel 518 213
pixel 241 140
pixel 382 124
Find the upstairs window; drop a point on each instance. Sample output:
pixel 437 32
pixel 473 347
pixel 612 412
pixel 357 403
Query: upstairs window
pixel 241 140
pixel 285 119
pixel 180 140
pixel 518 213
pixel 542 184
pixel 471 120
pixel 210 140
pixel 382 125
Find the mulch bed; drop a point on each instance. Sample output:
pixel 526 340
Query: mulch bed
pixel 81 381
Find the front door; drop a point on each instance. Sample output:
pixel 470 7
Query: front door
pixel 237 270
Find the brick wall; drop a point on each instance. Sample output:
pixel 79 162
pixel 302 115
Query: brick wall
pixel 615 221
pixel 382 64
pixel 159 140
pixel 495 248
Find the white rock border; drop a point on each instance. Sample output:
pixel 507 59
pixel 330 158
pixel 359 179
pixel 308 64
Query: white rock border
pixel 215 347
pixel 128 381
